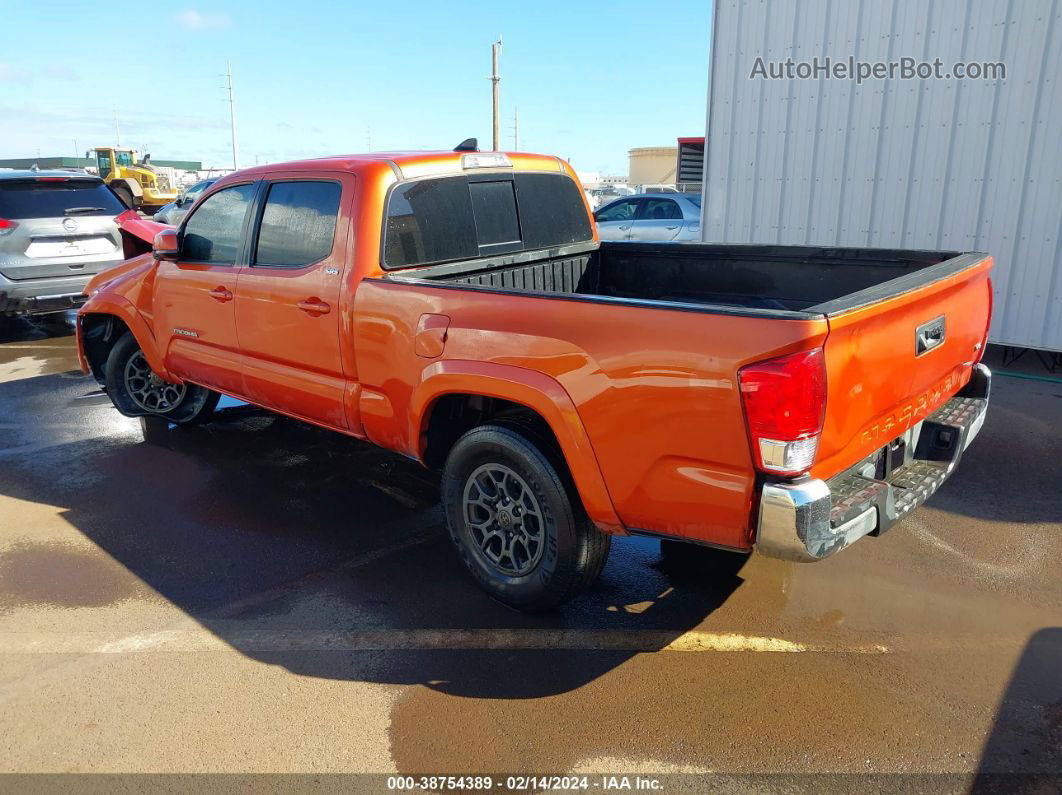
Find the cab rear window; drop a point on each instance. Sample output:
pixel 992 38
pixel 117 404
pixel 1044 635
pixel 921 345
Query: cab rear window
pixel 443 219
pixel 33 198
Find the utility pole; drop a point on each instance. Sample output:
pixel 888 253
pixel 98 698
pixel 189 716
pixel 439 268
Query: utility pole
pixel 117 132
pixel 516 129
pixel 232 118
pixel 495 78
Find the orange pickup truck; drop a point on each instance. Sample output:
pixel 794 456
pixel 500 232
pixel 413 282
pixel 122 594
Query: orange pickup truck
pixel 458 308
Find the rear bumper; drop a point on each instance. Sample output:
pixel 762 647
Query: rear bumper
pixel 812 519
pixel 40 296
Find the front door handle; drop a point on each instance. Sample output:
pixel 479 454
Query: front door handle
pixel 624 228
pixel 315 306
pixel 673 227
pixel 221 294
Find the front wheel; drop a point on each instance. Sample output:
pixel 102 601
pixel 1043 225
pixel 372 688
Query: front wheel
pixel 136 391
pixel 515 527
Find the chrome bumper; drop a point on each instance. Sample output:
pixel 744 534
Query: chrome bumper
pixel 812 519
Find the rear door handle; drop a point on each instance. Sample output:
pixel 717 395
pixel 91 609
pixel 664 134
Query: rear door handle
pixel 314 306
pixel 221 294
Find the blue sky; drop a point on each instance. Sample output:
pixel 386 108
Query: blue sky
pixel 312 78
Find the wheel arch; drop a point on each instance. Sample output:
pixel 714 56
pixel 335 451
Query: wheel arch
pixel 100 325
pixel 131 184
pixel 454 396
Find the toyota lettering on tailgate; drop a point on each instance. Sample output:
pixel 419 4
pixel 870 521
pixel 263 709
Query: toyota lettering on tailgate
pixel 888 428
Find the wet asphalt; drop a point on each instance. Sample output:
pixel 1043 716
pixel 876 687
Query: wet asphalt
pixel 254 594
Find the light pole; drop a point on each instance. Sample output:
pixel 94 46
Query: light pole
pixel 495 78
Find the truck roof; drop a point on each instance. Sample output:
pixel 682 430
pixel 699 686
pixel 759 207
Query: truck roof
pixel 418 163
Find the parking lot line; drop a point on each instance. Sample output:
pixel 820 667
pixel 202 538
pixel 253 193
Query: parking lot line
pixel 201 639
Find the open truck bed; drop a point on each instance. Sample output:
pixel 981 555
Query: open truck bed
pixel 802 279
pixel 902 333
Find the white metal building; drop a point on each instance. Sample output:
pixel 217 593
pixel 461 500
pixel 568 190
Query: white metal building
pixel 967 165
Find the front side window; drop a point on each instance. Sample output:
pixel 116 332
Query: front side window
pixel 212 233
pixel 123 158
pixel 620 211
pixel 298 224
pixel 429 220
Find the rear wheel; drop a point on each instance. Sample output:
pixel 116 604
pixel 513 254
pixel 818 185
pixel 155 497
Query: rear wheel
pixel 515 527
pixel 136 391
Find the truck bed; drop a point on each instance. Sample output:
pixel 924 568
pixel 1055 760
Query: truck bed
pixel 786 279
pixel 900 330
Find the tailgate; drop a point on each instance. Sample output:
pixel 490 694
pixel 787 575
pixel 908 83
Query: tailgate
pixel 896 353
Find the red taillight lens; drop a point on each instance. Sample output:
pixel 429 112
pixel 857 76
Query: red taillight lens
pixel 785 400
pixel 7 226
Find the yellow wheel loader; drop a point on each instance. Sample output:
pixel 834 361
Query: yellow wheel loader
pixel 138 184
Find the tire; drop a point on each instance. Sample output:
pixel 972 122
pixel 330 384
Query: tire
pixel 124 195
pixel 533 547
pixel 137 392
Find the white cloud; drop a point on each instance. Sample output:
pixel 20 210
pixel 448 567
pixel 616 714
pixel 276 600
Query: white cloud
pixel 14 74
pixel 191 19
pixel 58 71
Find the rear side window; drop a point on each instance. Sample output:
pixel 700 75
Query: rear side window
pixel 33 199
pixel 212 233
pixel 429 220
pixel 455 218
pixel 552 211
pixel 660 209
pixel 298 224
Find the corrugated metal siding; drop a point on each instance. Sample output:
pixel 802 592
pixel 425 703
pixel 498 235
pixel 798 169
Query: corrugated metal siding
pixel 967 165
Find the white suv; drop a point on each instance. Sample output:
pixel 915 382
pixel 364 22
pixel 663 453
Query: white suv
pixel 57 230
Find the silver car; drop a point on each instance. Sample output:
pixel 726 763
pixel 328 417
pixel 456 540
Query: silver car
pixel 174 212
pixel 57 230
pixel 659 217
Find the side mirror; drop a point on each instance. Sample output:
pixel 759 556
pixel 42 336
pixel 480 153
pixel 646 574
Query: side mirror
pixel 165 245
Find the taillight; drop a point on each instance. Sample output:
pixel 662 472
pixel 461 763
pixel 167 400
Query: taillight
pixel 6 226
pixel 785 401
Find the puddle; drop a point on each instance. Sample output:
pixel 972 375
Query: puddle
pixel 61 575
